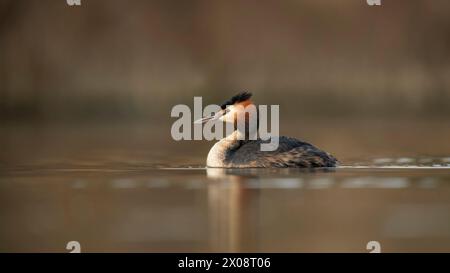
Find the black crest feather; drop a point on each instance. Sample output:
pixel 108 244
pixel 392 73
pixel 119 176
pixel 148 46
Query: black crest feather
pixel 243 96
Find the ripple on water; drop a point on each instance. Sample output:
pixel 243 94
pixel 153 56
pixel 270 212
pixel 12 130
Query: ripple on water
pixel 406 162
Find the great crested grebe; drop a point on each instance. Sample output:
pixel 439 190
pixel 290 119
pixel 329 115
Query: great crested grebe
pixel 239 151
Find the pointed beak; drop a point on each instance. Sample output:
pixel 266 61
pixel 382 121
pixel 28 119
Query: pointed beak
pixel 209 118
pixel 203 120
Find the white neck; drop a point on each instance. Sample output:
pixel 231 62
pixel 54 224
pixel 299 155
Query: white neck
pixel 217 156
pixel 218 153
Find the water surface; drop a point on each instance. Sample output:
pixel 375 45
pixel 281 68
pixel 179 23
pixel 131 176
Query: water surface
pixel 126 189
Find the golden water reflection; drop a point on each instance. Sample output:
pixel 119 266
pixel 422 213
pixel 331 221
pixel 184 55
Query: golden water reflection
pixel 225 210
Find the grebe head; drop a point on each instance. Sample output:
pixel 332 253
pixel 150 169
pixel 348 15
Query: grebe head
pixel 239 111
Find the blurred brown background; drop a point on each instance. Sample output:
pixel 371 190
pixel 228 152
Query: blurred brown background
pixel 86 152
pixel 114 59
pixel 94 85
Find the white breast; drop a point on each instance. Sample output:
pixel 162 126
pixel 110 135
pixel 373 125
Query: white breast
pixel 216 156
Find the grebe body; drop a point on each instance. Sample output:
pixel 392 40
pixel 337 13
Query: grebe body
pixel 291 153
